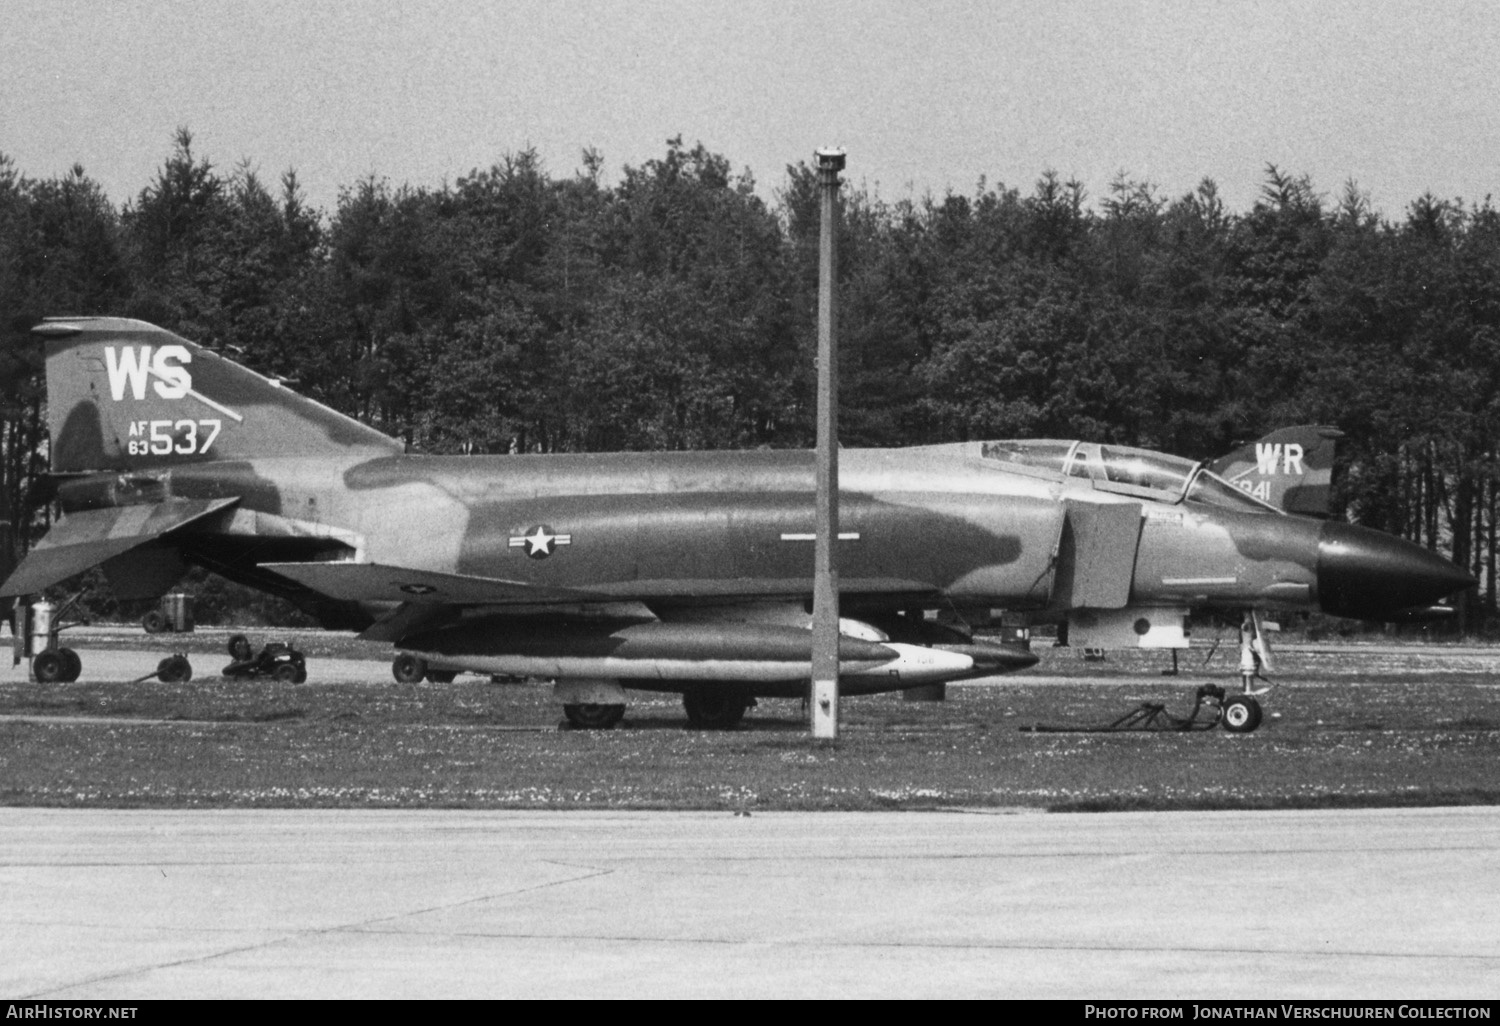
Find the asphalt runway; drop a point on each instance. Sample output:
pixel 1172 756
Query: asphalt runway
pixel 361 904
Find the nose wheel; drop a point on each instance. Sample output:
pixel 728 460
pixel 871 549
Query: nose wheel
pixel 1240 715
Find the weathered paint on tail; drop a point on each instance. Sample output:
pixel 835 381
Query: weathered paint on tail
pixel 1291 468
pixel 127 395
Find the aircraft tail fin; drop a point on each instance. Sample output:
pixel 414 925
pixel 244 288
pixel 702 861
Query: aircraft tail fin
pixel 1291 468
pixel 126 395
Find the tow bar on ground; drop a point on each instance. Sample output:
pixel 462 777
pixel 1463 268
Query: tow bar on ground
pixel 1151 716
pixel 174 669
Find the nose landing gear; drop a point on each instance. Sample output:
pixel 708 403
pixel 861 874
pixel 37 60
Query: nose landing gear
pixel 1240 714
pixel 1236 714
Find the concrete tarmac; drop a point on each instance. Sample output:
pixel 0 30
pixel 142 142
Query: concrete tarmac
pixel 116 666
pixel 155 904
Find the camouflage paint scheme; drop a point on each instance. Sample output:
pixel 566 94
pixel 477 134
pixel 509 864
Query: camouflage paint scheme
pixel 664 570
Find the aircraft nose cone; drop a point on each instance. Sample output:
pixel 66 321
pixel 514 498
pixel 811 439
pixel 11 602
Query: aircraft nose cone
pixel 1368 575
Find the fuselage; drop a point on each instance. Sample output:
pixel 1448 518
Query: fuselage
pixel 920 523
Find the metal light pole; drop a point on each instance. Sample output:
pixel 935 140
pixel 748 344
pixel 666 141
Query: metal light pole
pixel 825 649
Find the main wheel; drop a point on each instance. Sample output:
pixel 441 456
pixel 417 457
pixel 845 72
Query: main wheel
pixel 154 622
pixel 48 667
pixel 239 648
pixel 715 707
pixel 1241 714
pixel 594 717
pixel 408 668
pixel 72 665
pixel 288 673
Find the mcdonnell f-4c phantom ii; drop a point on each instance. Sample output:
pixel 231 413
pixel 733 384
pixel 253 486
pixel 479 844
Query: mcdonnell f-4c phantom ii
pixel 686 572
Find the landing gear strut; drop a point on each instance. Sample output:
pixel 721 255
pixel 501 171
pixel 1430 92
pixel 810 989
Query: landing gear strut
pixel 35 629
pixel 1242 713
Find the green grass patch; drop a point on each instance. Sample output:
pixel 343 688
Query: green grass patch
pixel 1386 735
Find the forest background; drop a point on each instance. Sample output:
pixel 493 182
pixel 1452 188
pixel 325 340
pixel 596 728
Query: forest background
pixel 519 311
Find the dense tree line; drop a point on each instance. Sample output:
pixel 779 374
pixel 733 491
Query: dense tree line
pixel 518 311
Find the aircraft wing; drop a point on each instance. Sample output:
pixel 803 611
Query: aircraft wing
pixel 375 582
pixel 89 537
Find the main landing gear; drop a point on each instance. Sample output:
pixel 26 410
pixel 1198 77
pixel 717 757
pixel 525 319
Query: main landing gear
pixel 56 666
pixel 35 629
pixel 593 716
pixel 715 707
pixel 413 669
pixel 710 705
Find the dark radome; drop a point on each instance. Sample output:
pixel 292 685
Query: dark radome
pixel 1367 575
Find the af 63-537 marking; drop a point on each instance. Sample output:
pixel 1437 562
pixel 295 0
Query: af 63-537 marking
pixel 165 437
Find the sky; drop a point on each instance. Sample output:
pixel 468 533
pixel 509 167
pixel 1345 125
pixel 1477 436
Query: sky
pixel 926 97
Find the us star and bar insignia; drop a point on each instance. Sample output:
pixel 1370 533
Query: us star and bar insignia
pixel 540 542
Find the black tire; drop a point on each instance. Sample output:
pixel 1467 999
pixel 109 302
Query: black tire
pixel 239 648
pixel 72 665
pixel 174 669
pixel 408 668
pixel 1241 715
pixel 301 677
pixel 154 622
pixel 441 676
pixel 288 673
pixel 715 707
pixel 594 717
pixel 48 667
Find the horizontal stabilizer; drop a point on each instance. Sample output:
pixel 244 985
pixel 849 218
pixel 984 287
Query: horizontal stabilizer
pixel 373 582
pixel 87 538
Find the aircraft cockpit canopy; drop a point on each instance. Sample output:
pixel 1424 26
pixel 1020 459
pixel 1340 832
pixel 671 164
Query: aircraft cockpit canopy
pixel 1117 468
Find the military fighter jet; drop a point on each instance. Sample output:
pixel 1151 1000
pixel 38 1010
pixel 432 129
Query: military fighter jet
pixel 686 572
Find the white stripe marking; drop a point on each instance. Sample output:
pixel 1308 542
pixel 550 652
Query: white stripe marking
pixel 205 400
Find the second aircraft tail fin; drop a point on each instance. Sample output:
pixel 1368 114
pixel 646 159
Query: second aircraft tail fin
pixel 1291 468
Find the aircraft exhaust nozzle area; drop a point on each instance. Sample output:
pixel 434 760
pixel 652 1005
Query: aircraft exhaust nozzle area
pixel 1367 575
